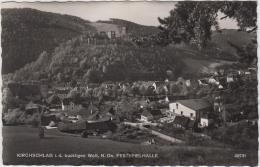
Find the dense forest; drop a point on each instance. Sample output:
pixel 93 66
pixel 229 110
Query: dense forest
pixel 27 32
pixel 96 63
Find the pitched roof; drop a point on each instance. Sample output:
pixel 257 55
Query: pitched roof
pixel 156 112
pixel 77 101
pixel 105 27
pixel 31 105
pixel 85 113
pixel 53 99
pixel 160 83
pixel 195 104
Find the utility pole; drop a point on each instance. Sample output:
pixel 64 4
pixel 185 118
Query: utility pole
pixel 41 129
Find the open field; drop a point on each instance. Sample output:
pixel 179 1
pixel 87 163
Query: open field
pixel 204 65
pixel 25 140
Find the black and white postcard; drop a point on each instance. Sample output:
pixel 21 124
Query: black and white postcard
pixel 129 83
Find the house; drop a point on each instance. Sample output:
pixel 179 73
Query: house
pixel 202 82
pixel 205 120
pixel 221 72
pixel 158 84
pixel 62 93
pixel 32 108
pixel 190 108
pixel 112 31
pixel 230 78
pixel 220 87
pixel 194 84
pixel 181 81
pixel 92 86
pixel 166 99
pixel 212 80
pixel 69 104
pixel 154 114
pixel 84 111
pixel 53 99
pixel 188 83
pixel 146 116
pixel 109 109
pixel 55 108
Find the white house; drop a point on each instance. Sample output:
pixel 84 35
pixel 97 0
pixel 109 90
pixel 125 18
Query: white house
pixel 111 30
pixel 202 82
pixel 205 121
pixel 192 108
pixel 230 79
pixel 70 105
pixel 212 80
pixel 188 83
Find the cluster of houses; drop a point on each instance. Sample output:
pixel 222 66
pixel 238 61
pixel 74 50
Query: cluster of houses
pixel 187 114
pixel 197 113
pixel 180 110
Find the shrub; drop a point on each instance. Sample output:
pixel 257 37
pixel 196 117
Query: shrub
pixel 13 117
pixel 33 120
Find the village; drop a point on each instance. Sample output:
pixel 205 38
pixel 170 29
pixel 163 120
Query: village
pixel 174 84
pixel 160 109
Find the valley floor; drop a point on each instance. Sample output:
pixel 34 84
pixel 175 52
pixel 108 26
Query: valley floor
pixel 21 145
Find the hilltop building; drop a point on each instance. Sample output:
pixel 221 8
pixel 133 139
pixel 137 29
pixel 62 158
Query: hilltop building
pixel 111 30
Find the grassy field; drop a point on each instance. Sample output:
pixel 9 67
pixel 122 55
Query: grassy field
pixel 203 65
pixel 25 140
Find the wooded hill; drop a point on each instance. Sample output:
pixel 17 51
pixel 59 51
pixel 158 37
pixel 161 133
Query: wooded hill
pixel 27 32
pixel 42 44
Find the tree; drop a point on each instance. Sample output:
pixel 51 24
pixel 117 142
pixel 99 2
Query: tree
pixel 248 54
pixel 73 83
pixel 192 22
pixel 244 12
pixel 142 90
pixel 126 109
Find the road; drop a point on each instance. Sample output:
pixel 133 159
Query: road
pixel 158 134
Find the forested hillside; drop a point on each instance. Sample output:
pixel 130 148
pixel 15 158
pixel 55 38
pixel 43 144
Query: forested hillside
pixel 45 43
pixel 27 32
pixel 79 60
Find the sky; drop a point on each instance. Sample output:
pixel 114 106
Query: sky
pixel 145 13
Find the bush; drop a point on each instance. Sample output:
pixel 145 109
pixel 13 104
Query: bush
pixel 18 117
pixel 32 120
pixel 13 117
pixel 240 136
